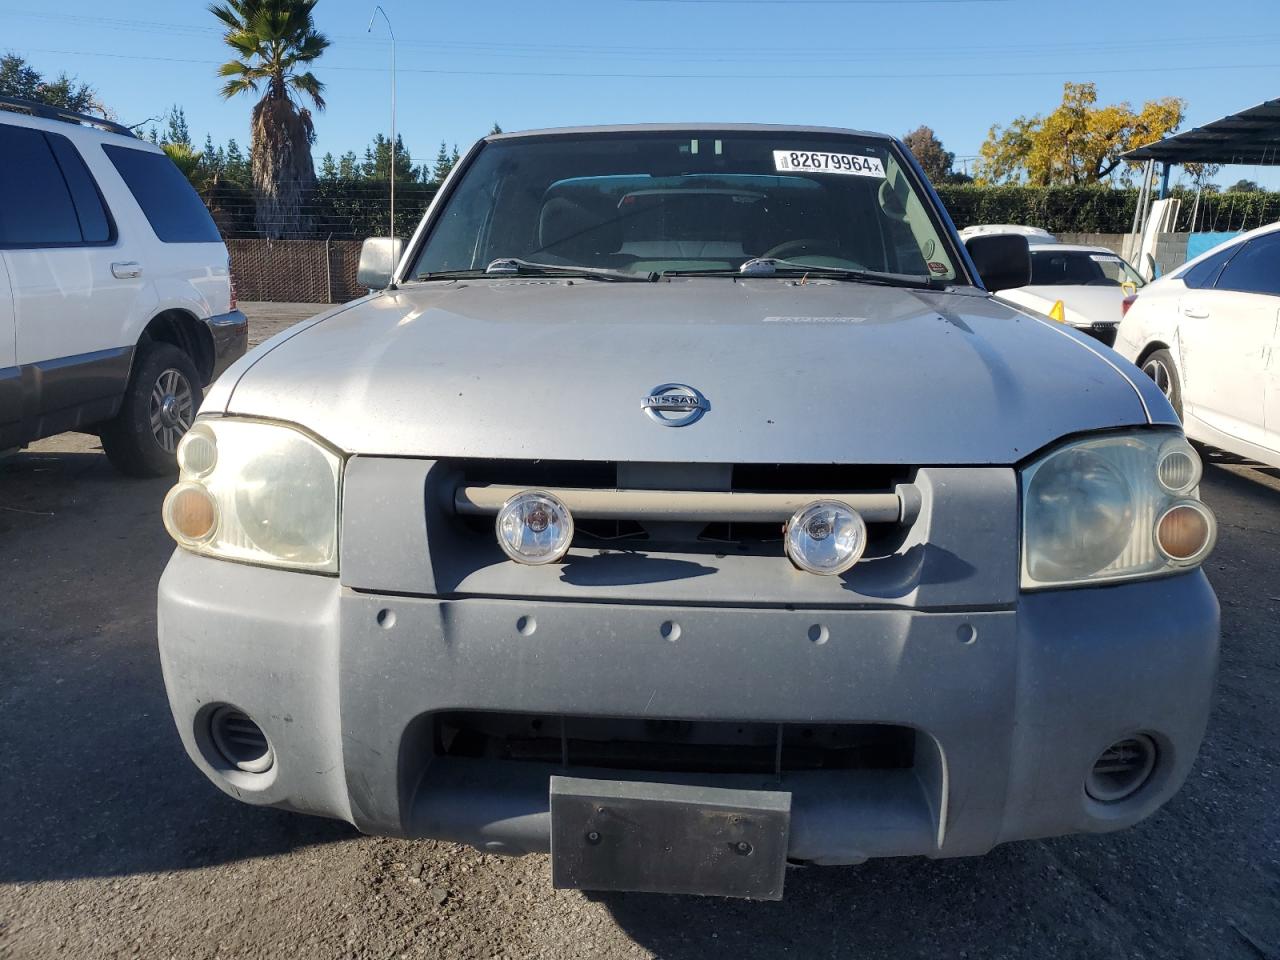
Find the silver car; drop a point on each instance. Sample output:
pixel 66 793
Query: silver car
pixel 685 506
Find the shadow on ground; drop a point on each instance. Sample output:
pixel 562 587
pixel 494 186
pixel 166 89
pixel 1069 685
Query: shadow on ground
pixel 94 782
pixel 93 777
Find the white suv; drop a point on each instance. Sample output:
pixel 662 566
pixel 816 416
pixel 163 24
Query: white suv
pixel 116 301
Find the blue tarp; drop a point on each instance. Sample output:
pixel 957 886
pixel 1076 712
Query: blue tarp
pixel 1199 243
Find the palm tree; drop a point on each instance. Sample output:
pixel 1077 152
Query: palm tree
pixel 186 160
pixel 273 40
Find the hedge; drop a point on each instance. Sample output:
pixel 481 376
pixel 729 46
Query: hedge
pixel 1100 209
pixel 355 209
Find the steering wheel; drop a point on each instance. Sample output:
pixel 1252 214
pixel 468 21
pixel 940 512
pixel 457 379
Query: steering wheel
pixel 784 250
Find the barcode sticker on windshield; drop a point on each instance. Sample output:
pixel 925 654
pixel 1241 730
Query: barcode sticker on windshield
pixel 807 161
pixel 1104 258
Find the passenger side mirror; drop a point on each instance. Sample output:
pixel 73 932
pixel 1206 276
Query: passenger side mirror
pixel 1003 260
pixel 378 259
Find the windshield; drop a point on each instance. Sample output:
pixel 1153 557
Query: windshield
pixel 1080 268
pixel 668 203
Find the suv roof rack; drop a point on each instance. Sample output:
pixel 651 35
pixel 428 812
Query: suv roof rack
pixel 47 112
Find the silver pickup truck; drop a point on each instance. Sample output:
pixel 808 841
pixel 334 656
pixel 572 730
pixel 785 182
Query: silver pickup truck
pixel 684 505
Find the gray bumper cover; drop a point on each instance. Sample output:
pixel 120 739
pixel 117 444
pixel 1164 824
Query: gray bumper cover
pixel 1011 722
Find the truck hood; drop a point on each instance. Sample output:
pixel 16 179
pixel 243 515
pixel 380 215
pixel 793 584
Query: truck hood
pixel 818 372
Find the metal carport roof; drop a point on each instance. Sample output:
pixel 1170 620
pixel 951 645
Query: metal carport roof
pixel 1250 137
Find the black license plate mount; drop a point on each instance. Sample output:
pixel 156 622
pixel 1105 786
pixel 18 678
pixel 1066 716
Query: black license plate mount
pixel 668 838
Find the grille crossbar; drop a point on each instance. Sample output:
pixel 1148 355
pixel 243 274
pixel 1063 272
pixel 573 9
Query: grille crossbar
pixel 682 505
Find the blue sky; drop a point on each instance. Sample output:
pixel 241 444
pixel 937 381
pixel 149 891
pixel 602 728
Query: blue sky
pixel 956 65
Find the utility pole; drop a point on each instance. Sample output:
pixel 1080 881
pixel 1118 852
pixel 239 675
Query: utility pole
pixel 378 10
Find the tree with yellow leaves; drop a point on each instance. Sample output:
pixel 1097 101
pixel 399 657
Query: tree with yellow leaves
pixel 1078 143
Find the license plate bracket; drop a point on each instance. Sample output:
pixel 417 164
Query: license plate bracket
pixel 668 838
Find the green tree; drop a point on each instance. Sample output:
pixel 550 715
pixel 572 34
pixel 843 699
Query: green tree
pixel 176 131
pixel 929 151
pixel 273 41
pixel 20 79
pixel 328 168
pixel 1077 143
pixel 1245 186
pixel 442 165
pixel 237 166
pixel 377 161
pixel 348 166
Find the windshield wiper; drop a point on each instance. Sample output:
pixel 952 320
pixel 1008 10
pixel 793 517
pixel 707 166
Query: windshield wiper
pixel 450 275
pixel 772 267
pixel 513 266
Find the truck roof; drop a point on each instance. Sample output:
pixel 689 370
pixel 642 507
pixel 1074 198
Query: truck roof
pixel 683 128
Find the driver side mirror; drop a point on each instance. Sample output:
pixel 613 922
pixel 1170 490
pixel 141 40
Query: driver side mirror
pixel 378 259
pixel 1003 260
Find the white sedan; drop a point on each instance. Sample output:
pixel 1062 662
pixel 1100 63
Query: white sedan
pixel 1207 334
pixel 1091 283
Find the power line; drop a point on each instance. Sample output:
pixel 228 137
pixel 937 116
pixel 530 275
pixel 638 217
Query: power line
pixel 849 3
pixel 717 54
pixel 590 75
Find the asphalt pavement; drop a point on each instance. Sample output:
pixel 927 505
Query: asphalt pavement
pixel 113 845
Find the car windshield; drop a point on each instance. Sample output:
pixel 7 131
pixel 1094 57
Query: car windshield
pixel 646 204
pixel 1081 268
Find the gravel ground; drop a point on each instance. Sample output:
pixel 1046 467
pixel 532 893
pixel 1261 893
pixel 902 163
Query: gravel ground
pixel 114 845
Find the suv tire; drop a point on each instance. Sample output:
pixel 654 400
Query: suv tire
pixel 159 406
pixel 1159 366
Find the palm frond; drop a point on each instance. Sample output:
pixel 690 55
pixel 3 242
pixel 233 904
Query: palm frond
pixel 238 86
pixel 227 14
pixel 311 46
pixel 245 42
pixel 308 84
pixel 236 68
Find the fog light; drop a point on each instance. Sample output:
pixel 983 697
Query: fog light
pixel 826 538
pixel 1185 532
pixel 240 741
pixel 1122 769
pixel 190 513
pixel 534 527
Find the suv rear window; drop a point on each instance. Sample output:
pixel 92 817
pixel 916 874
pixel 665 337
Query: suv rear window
pixel 40 174
pixel 172 206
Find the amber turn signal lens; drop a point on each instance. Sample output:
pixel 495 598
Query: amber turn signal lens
pixel 1185 532
pixel 190 515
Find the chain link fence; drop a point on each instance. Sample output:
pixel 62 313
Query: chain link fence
pixel 296 271
pixel 316 259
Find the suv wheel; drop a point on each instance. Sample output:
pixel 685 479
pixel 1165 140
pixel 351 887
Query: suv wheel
pixel 1160 368
pixel 159 407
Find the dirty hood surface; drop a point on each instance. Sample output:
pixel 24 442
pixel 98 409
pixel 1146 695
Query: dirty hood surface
pixel 794 373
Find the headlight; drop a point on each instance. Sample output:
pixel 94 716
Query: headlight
pixel 256 492
pixel 1115 507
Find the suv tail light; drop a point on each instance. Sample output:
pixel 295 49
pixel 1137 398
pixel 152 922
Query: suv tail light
pixel 234 300
pixel 1126 303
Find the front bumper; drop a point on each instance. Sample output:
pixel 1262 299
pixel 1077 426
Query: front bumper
pixel 343 682
pixel 230 332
